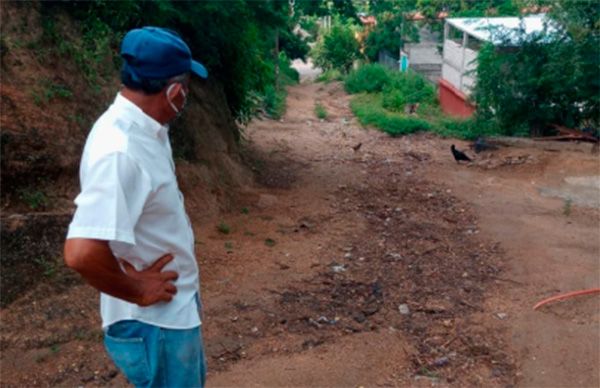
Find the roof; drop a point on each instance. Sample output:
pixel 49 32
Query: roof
pixel 488 28
pixel 368 20
pixel 419 16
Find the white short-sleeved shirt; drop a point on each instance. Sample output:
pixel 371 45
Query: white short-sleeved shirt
pixel 129 197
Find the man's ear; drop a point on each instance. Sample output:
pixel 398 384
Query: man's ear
pixel 173 90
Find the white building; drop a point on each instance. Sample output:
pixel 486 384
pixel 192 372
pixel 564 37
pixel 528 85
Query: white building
pixel 462 39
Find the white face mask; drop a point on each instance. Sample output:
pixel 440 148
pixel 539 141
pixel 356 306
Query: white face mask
pixel 177 111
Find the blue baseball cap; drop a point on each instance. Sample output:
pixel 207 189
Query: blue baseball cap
pixel 158 53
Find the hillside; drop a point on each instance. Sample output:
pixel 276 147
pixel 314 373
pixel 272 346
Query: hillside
pixel 50 98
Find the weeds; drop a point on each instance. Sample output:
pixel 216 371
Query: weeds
pixel 35 199
pixel 330 76
pixel 223 228
pixel 371 78
pixel 245 210
pixel 270 242
pixel 567 207
pixel 368 109
pixel 49 268
pixel 320 111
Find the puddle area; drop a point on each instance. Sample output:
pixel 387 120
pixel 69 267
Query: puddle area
pixel 580 190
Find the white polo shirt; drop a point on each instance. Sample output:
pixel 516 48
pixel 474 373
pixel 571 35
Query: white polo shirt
pixel 129 197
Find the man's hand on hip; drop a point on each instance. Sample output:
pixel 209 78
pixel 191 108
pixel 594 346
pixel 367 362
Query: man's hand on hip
pixel 154 285
pixel 94 260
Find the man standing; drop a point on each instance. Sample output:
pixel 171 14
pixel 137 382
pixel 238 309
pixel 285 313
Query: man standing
pixel 130 237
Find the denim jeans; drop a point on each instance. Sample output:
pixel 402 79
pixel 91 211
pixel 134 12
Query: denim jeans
pixel 151 356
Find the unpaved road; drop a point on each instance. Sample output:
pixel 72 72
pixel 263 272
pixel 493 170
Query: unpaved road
pixel 386 266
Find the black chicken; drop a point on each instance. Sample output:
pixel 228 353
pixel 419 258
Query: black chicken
pixel 458 155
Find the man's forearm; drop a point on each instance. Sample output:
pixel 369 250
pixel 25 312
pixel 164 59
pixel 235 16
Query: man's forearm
pixel 94 260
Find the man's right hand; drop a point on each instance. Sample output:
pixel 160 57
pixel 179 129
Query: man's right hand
pixel 94 260
pixel 154 285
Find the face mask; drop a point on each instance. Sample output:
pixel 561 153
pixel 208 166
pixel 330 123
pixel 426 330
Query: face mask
pixel 177 111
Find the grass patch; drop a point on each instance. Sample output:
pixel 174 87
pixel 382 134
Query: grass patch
pixel 270 242
pixel 320 111
pixel 35 199
pixel 403 103
pixel 330 76
pixel 274 98
pixel 370 78
pixel 369 110
pixel 567 207
pixel 223 228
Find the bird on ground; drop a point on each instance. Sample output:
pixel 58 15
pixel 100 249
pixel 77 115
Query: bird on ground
pixel 357 147
pixel 458 155
pixel 482 145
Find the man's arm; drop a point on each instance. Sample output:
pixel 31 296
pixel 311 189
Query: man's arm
pixel 94 260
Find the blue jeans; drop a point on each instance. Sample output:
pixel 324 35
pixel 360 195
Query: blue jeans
pixel 150 356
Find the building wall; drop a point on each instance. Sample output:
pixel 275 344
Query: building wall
pixel 453 101
pixel 459 71
pixel 424 56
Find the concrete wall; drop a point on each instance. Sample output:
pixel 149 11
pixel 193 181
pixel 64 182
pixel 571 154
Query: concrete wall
pixel 453 101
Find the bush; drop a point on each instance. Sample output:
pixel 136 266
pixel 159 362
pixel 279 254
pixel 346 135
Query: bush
pixel 320 111
pixel 407 88
pixel 466 129
pixel 369 78
pixel 368 109
pixel 329 76
pixel 337 48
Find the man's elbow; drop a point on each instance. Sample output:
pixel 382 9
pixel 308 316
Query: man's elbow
pixel 72 255
pixel 77 253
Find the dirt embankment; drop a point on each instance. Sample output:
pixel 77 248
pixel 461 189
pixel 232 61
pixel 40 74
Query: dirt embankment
pixel 48 104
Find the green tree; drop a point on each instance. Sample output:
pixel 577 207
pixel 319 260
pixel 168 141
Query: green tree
pixel 532 81
pixel 393 27
pixel 337 48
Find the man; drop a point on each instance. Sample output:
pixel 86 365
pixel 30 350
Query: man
pixel 130 237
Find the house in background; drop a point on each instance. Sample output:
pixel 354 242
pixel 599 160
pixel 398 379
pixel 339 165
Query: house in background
pixel 463 38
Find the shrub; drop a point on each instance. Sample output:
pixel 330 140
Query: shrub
pixel 330 75
pixel 337 49
pixel 466 129
pixel 407 88
pixel 369 78
pixel 369 111
pixel 320 111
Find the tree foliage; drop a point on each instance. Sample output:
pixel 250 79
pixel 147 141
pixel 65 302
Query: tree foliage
pixel 393 28
pixel 550 78
pixel 337 48
pixel 235 40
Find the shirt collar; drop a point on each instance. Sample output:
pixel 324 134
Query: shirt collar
pixel 139 117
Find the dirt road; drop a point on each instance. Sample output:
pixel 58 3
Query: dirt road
pixel 388 265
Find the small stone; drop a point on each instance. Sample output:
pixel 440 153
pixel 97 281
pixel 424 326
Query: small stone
pixel 502 316
pixel 254 329
pixel 442 361
pixel 403 309
pixel 465 275
pixel 338 268
pixel 348 255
